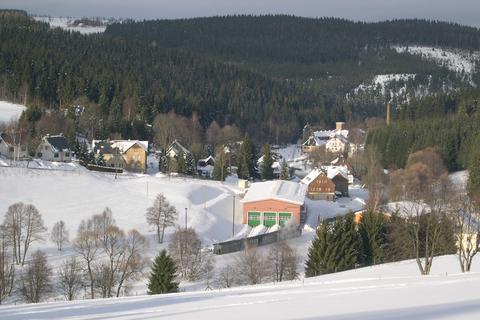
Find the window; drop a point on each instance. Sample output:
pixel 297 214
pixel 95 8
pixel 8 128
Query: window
pixel 284 216
pixel 269 219
pixel 39 154
pixel 46 147
pixel 67 154
pixel 11 149
pixel 55 155
pixel 253 218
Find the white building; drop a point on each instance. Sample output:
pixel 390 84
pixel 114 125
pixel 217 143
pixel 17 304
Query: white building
pixel 54 148
pixel 12 149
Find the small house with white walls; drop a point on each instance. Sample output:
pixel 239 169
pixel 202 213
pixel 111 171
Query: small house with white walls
pixel 54 148
pixel 12 149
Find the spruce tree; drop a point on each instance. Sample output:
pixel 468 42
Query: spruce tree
pixel 190 165
pixel 220 167
pixel 247 164
pixel 319 259
pixel 163 164
pixel 181 164
pixel 266 166
pixel 163 275
pixel 372 231
pixel 473 184
pixel 284 174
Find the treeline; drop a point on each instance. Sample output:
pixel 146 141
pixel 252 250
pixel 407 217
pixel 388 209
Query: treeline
pixel 448 122
pixel 126 83
pixel 289 39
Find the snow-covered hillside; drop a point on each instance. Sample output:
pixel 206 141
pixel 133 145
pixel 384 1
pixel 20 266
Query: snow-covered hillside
pixel 455 60
pixel 10 111
pixel 67 24
pixel 390 291
pixel 77 194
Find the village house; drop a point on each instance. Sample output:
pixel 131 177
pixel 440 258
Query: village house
pixel 276 164
pixel 274 203
pixel 205 167
pixel 130 155
pixel 320 138
pixel 54 148
pixel 175 149
pixel 337 144
pixel 12 149
pixel 319 186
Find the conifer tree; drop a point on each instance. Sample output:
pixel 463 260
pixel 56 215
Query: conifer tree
pixel 181 164
pixel 335 248
pixel 372 231
pixel 190 165
pixel 266 166
pixel 319 260
pixel 284 174
pixel 163 164
pixel 220 167
pixel 246 164
pixel 473 184
pixel 163 275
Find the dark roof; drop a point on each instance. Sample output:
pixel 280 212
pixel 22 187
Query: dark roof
pixel 58 142
pixel 5 137
pixel 103 146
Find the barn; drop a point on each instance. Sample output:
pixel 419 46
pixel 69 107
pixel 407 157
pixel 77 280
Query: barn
pixel 273 203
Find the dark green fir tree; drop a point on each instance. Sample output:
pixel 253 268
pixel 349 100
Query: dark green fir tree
pixel 163 275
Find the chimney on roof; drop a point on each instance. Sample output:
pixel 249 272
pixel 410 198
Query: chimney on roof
pixel 339 126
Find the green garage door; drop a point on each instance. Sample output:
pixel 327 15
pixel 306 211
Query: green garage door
pixel 284 216
pixel 269 219
pixel 253 218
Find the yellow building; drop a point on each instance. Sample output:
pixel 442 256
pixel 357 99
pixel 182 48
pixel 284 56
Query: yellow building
pixel 131 155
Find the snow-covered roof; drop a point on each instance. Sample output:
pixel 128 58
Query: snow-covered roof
pixel 312 176
pixel 277 190
pixel 177 147
pixel 321 137
pixel 333 171
pixel 122 145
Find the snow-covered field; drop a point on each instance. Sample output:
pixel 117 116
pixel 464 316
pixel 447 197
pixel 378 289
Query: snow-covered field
pixel 66 24
pixel 389 291
pixel 10 111
pixel 72 193
pixel 455 60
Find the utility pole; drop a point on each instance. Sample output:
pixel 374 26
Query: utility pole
pixel 233 216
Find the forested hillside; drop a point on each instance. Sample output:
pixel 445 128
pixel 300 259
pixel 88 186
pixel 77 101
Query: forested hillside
pixel 267 75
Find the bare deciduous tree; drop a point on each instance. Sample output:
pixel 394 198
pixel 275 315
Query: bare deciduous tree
pixel 284 260
pixel 87 246
pixel 36 283
pixel 24 225
pixel 114 249
pixel 161 215
pixel 426 193
pixel 7 269
pixel 225 277
pixel 186 250
pixel 132 262
pixel 70 279
pixel 466 216
pixel 101 224
pixel 59 234
pixel 251 266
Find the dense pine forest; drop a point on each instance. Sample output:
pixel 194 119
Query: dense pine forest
pixel 267 75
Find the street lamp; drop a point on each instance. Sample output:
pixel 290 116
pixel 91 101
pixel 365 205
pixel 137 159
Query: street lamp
pixel 186 215
pixel 233 216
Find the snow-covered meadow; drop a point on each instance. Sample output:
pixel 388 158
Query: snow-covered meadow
pixel 10 111
pixel 389 291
